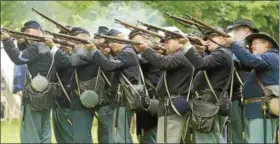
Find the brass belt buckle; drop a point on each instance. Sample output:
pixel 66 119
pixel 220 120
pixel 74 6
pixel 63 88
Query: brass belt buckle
pixel 264 106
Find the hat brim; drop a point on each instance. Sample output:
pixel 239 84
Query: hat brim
pixel 237 25
pixel 253 36
pixel 210 35
pixel 30 27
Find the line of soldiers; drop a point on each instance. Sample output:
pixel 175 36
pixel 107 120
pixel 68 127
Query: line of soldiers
pixel 207 94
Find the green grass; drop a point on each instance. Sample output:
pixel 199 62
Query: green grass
pixel 10 132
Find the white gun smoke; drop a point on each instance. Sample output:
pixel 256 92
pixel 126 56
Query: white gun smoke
pixel 91 17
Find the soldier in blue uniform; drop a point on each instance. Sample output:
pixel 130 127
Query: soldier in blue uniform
pixel 240 29
pixel 124 61
pixel 262 57
pixel 217 66
pixel 82 80
pixel 147 122
pixel 40 60
pixel 173 86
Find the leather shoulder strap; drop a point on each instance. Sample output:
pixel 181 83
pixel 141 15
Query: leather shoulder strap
pixel 260 84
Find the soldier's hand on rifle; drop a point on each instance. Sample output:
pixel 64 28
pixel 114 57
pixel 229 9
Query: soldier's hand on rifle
pixel 90 46
pixel 228 41
pixel 21 40
pixel 142 47
pixel 200 49
pixel 184 40
pixel 4 35
pixel 49 42
pixel 160 51
pixel 105 51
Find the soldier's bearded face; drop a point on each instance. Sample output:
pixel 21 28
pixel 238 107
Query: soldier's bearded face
pixel 239 33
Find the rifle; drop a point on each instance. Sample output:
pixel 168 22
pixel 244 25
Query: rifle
pixel 139 28
pixel 157 46
pixel 35 37
pixel 184 21
pixel 75 39
pixel 53 21
pixel 176 34
pixel 115 39
pixel 64 36
pixel 207 26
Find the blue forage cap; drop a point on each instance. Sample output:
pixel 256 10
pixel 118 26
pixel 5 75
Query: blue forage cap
pixel 78 30
pixel 32 24
pixel 113 32
pixel 102 30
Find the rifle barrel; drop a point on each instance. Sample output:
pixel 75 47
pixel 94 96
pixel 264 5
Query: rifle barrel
pixel 139 28
pixel 207 26
pixel 160 29
pixel 53 21
pixel 182 20
pixel 24 34
pixel 58 35
pixel 37 38
pixel 115 39
pixel 192 39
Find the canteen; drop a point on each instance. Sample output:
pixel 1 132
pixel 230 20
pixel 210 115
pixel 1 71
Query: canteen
pixel 39 83
pixel 89 98
pixel 274 106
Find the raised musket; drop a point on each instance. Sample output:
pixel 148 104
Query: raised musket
pixel 139 28
pixel 115 39
pixel 35 37
pixel 192 39
pixel 71 38
pixel 206 26
pixel 184 21
pixel 53 21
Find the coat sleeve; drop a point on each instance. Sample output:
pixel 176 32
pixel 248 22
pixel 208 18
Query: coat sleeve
pixel 62 60
pixel 20 57
pixel 249 60
pixel 80 56
pixel 125 59
pixel 215 59
pixel 162 61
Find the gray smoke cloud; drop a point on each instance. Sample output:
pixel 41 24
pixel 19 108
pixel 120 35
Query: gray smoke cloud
pixel 90 17
pixel 128 12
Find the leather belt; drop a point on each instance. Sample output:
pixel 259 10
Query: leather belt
pixel 253 100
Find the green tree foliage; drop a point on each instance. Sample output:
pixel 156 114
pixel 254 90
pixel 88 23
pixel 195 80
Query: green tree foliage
pixel 84 13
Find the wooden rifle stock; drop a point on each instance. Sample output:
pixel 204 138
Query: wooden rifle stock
pixel 36 38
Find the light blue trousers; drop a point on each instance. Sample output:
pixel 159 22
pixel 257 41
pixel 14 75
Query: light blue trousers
pixel 256 131
pixel 35 128
pixel 63 130
pixel 82 125
pixel 107 134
